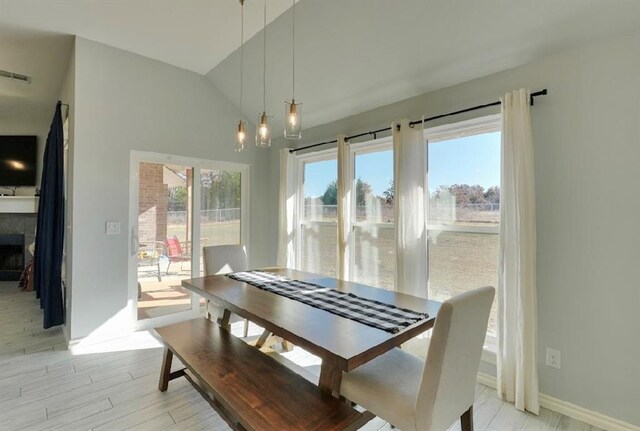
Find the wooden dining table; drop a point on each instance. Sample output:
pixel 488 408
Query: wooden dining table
pixel 342 344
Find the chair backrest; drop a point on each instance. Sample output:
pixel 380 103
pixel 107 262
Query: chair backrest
pixel 448 381
pixel 223 259
pixel 174 248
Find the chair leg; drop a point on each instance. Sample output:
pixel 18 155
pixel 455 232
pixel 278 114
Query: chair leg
pixel 466 420
pixel 246 328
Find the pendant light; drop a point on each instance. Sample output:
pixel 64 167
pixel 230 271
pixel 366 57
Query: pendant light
pixel 293 110
pixel 263 131
pixel 241 132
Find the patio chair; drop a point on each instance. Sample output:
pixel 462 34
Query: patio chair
pixel 176 253
pixel 430 395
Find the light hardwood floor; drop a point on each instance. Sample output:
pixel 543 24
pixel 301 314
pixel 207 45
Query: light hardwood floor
pixel 112 385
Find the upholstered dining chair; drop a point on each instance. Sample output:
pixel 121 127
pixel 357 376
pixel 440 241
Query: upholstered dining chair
pixel 430 395
pixel 224 259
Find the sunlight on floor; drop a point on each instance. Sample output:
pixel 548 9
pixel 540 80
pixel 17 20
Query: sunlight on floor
pixel 136 341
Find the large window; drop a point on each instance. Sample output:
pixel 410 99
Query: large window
pixel 463 214
pixel 318 213
pixel 464 208
pixel 373 247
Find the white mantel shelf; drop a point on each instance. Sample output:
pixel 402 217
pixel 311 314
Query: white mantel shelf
pixel 19 204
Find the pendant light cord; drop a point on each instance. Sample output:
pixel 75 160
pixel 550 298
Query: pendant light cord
pixel 241 52
pixel 264 61
pixel 293 45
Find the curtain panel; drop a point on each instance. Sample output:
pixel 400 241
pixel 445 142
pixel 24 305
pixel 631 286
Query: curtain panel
pixel 344 208
pixel 50 230
pixel 517 339
pixel 287 208
pixel 409 182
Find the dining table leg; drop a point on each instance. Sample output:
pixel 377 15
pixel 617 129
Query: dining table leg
pixel 224 318
pixel 330 377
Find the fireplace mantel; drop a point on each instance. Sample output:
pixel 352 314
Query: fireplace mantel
pixel 19 204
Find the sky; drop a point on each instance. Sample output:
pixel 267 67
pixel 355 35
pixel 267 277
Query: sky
pixel 469 160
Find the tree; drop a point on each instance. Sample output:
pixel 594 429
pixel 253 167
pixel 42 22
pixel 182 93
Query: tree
pixel 221 189
pixel 177 199
pixel 330 195
pixel 492 195
pixel 389 194
pixel 363 189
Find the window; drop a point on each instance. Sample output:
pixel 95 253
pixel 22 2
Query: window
pixel 464 208
pixel 373 246
pixel 220 207
pixel 318 213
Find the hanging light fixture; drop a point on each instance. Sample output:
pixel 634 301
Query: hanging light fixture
pixel 293 110
pixel 263 131
pixel 241 133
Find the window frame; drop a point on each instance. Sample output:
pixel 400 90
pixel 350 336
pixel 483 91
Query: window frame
pixel 356 149
pixel 299 216
pixel 476 126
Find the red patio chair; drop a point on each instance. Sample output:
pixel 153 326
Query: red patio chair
pixel 175 253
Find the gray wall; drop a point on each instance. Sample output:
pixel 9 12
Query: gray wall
pixel 127 102
pixel 587 167
pixel 67 96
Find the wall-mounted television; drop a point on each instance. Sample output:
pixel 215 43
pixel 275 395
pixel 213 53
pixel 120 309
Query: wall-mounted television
pixel 18 156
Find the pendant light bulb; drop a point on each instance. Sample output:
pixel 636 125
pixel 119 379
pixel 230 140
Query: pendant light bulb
pixel 263 132
pixel 241 136
pixel 293 122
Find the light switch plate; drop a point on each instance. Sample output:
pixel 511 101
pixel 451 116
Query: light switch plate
pixel 112 228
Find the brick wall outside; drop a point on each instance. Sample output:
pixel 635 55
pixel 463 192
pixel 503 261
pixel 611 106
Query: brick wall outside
pixel 153 199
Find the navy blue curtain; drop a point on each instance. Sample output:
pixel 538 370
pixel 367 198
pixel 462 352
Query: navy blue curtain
pixel 50 233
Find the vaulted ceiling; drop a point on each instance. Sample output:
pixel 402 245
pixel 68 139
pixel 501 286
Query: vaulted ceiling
pixel 352 55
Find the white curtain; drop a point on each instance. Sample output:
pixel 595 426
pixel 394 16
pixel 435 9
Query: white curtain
pixel 517 339
pixel 286 251
pixel 409 181
pixel 344 208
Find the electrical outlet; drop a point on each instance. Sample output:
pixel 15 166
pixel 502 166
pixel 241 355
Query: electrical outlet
pixel 112 228
pixel 553 358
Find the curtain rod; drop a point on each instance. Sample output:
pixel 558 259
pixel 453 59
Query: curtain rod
pixel 413 123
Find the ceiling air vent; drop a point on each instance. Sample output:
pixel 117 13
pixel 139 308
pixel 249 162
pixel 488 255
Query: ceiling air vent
pixel 15 76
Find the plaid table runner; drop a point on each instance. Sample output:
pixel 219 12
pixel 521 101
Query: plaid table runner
pixel 373 313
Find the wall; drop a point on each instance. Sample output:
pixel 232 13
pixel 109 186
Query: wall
pixel 587 167
pixel 126 102
pixel 67 96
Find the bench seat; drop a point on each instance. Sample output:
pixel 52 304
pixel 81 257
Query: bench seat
pixel 250 390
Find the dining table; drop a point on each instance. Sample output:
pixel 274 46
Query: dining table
pixel 343 344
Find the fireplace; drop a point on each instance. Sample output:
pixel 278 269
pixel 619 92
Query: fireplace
pixel 11 256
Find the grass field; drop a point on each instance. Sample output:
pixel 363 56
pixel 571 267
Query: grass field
pixel 458 261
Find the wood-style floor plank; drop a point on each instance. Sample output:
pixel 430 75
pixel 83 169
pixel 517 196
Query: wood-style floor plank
pixel 113 385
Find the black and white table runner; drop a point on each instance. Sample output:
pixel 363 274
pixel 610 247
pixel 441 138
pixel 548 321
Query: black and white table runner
pixel 373 313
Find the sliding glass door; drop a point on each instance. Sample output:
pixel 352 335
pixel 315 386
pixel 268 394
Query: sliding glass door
pixel 165 232
pixel 178 206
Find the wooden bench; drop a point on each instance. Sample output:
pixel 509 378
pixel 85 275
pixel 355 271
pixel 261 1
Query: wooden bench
pixel 248 388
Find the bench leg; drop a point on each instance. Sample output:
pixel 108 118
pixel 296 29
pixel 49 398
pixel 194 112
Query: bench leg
pixel 165 371
pixel 466 420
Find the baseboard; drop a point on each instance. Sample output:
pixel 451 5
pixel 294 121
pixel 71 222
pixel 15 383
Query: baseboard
pixel 571 410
